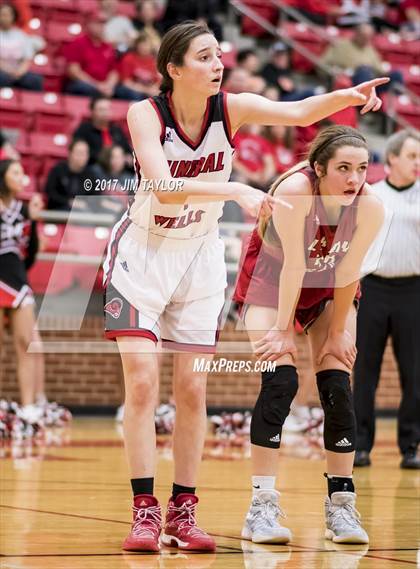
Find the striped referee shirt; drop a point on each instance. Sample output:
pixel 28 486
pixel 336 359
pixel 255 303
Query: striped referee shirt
pixel 399 238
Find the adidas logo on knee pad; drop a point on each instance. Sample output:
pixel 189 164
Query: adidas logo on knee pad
pixel 343 443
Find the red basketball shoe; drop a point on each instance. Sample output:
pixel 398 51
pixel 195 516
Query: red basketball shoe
pixel 181 527
pixel 147 525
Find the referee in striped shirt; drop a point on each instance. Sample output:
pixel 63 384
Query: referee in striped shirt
pixel 390 305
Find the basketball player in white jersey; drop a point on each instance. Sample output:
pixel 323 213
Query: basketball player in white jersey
pixel 165 273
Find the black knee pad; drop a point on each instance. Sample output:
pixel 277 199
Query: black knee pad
pixel 278 389
pixel 337 401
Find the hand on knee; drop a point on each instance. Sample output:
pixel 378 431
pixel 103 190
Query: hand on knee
pixel 278 390
pixel 337 402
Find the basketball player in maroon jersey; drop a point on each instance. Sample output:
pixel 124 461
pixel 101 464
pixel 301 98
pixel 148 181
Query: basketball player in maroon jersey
pixel 304 265
pixel 165 273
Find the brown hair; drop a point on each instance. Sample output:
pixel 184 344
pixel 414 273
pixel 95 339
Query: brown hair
pixel 174 46
pixel 321 150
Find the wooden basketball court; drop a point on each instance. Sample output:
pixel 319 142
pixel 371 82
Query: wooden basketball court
pixel 68 507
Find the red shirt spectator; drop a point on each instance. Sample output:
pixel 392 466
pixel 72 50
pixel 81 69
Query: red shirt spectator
pixel 253 160
pixel 138 69
pixel 250 150
pixel 96 58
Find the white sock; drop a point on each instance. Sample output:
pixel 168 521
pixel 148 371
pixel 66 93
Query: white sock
pixel 263 483
pixel 339 475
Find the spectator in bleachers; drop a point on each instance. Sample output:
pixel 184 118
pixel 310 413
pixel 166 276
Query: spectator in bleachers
pixel 146 20
pixel 111 167
pixel 204 11
pixel 138 70
pixel 282 140
pixel 253 161
pixel 410 28
pixel 247 59
pixel 235 80
pixel 16 53
pixel 99 131
pixel 6 149
pixel 358 57
pixel 118 30
pixel 65 179
pixel 277 73
pixel 92 64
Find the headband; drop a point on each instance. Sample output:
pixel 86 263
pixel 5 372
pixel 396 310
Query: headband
pixel 331 140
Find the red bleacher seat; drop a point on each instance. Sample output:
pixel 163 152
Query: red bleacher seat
pixel 62 32
pixel 308 38
pixel 53 123
pixel 53 145
pixel 77 106
pixel 87 241
pixel 39 276
pixel 264 9
pixel 31 166
pixel 42 102
pixel 408 111
pixel 396 50
pixel 119 110
pixel 11 111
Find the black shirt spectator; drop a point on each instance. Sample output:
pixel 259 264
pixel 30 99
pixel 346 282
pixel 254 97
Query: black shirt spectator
pixel 66 179
pixel 99 131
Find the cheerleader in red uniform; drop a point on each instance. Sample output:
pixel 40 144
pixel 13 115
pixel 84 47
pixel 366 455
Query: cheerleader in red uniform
pixel 18 248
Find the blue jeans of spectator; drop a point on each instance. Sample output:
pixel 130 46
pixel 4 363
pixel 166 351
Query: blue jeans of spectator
pixel 30 81
pixel 120 91
pixel 366 73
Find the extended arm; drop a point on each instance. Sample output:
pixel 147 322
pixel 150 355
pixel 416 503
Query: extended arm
pixel 248 108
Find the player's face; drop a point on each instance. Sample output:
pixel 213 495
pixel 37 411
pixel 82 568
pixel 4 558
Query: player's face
pixel 407 163
pixel 346 173
pixel 202 69
pixel 14 178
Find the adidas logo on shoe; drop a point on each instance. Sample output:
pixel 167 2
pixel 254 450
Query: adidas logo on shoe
pixel 143 503
pixel 276 438
pixel 343 443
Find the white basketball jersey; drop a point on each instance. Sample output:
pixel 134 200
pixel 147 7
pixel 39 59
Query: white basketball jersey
pixel 207 159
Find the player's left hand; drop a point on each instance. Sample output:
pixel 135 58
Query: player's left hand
pixel 340 345
pixel 365 94
pixel 35 206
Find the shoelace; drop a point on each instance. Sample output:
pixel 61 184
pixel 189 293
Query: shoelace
pixel 189 522
pixel 261 512
pixel 346 512
pixel 152 515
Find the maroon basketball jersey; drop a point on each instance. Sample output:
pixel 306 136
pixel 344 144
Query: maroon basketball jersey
pixel 325 246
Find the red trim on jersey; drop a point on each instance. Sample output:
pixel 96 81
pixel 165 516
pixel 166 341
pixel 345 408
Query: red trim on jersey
pixel 114 248
pixel 226 119
pixel 112 334
pixel 184 347
pixel 162 122
pixel 184 137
